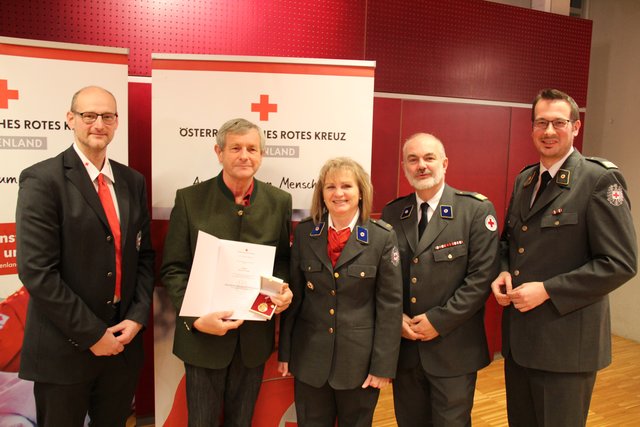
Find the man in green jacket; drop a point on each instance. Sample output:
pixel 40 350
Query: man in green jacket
pixel 224 359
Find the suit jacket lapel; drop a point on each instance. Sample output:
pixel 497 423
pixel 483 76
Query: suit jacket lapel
pixel 76 173
pixel 124 199
pixel 351 249
pixel 409 224
pixel 560 182
pixel 318 245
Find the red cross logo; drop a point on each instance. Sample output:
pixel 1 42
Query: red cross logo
pixel 6 94
pixel 264 108
pixel 490 223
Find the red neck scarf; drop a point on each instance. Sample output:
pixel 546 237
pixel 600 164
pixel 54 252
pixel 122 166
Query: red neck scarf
pixel 336 242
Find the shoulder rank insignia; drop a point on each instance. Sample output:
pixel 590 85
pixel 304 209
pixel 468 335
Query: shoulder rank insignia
pixel 602 162
pixel 476 196
pixel 317 230
pixel 563 177
pixel 362 234
pixel 446 212
pixel 406 212
pixel 382 223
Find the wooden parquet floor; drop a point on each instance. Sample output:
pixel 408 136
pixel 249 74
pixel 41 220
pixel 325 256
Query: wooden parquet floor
pixel 615 402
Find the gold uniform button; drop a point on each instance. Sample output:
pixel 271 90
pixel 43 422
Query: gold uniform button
pixel 240 212
pixel 520 250
pixel 414 280
pixel 415 260
pixel 516 273
pixel 331 311
pixel 556 223
pixel 333 293
pixel 336 274
pixel 310 285
pixel 330 330
pixel 525 228
pixel 362 274
pixel 449 256
pixel 413 300
pixel 109 274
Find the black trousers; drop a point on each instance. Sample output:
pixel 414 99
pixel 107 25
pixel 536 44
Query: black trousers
pixel 421 399
pixel 320 407
pixel 106 398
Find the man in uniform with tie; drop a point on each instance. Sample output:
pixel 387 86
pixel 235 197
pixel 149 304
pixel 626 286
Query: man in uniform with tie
pixel 84 254
pixel 448 250
pixel 568 241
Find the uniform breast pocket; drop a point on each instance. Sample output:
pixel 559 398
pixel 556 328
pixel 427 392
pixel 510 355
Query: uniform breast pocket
pixel 554 221
pixel 310 265
pixel 450 254
pixel 362 271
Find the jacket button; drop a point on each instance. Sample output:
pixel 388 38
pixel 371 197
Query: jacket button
pixel 310 285
pixel 520 250
pixel 333 293
pixel 414 280
pixel 109 274
pixel 109 238
pixel 516 272
pixel 331 311
pixel 362 274
pixel 240 212
pixel 413 300
pixel 525 228
pixel 556 223
pixel 336 274
pixel 450 256
pixel 330 330
pixel 415 260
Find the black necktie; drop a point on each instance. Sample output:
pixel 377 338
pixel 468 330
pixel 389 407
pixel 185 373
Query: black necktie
pixel 424 207
pixel 544 180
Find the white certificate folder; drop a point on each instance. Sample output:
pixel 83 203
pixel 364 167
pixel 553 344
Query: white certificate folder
pixel 225 275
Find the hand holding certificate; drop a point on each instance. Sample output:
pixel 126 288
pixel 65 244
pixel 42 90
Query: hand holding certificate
pixel 225 276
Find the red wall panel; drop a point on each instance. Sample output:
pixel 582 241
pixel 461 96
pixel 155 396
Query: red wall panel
pixel 386 145
pixel 476 49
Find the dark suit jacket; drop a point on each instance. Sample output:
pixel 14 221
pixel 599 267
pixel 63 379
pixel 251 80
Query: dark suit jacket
pixel 344 322
pixel 66 260
pixel 210 207
pixel 580 241
pixel 447 275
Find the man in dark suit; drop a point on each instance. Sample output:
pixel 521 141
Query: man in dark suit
pixel 224 359
pixel 563 251
pixel 90 279
pixel 447 268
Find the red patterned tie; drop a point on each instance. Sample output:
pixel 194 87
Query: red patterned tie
pixel 114 224
pixel 336 242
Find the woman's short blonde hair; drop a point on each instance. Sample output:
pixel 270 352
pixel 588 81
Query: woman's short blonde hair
pixel 365 203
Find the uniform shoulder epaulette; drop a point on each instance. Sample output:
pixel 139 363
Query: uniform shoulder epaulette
pixel 529 167
pixel 382 223
pixel 398 198
pixel 476 196
pixel 602 162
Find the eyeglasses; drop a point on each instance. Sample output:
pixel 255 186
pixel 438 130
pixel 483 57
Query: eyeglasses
pixel 89 117
pixel 557 124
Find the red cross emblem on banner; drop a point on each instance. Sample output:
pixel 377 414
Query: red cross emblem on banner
pixel 6 94
pixel 264 108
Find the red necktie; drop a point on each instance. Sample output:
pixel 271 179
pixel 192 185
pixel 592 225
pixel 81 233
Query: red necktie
pixel 114 224
pixel 336 242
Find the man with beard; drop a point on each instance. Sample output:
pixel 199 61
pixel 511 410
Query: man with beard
pixel 447 268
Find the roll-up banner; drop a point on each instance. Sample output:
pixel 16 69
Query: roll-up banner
pixel 37 81
pixel 311 110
